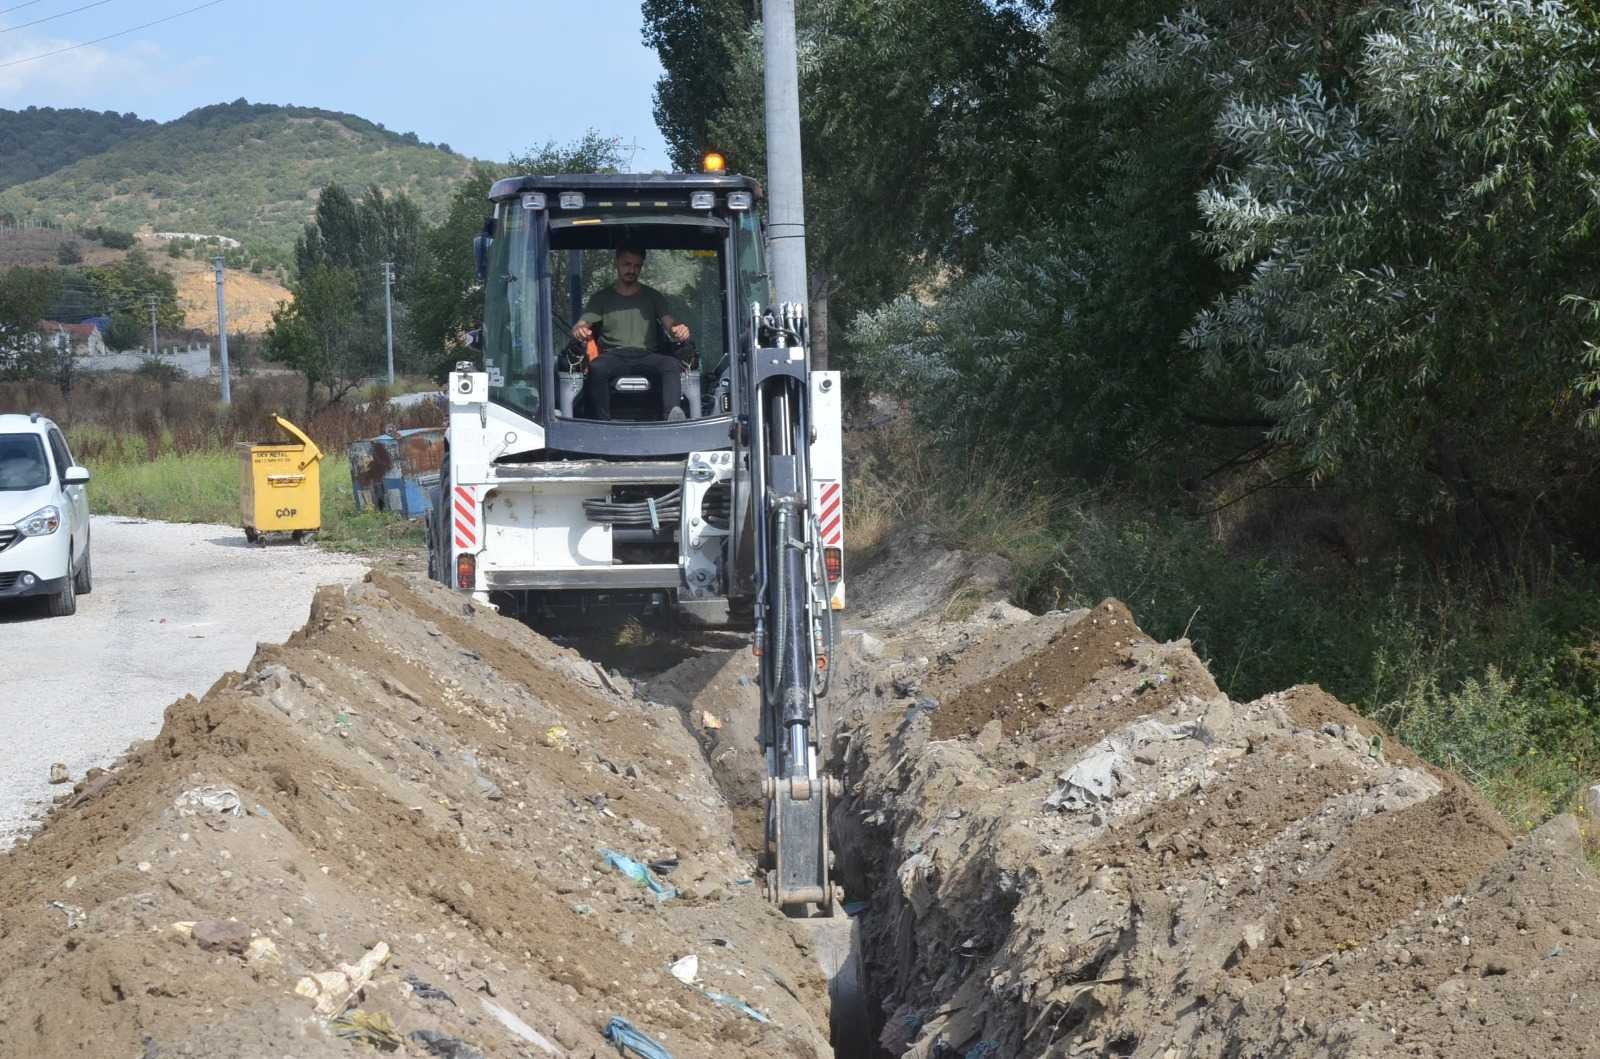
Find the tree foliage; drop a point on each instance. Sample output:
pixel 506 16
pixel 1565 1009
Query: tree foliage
pixel 36 141
pixel 320 335
pixel 1351 240
pixel 445 301
pixel 25 298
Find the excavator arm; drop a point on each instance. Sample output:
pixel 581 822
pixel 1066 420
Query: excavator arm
pixel 794 619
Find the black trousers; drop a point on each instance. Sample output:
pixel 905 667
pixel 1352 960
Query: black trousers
pixel 605 369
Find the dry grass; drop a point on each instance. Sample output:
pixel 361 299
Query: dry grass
pixel 895 480
pixel 122 418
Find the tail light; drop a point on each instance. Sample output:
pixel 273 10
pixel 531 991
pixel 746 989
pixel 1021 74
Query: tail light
pixel 833 560
pixel 466 571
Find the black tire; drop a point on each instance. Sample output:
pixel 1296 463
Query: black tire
pixel 439 529
pixel 251 535
pixel 64 603
pixel 83 581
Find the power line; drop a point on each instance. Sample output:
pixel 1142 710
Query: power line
pixel 108 36
pixel 19 7
pixel 52 18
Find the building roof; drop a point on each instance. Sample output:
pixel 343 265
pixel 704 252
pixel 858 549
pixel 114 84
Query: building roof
pixel 75 330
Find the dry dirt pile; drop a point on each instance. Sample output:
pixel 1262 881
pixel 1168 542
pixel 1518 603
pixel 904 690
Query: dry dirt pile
pixel 388 834
pixel 1073 845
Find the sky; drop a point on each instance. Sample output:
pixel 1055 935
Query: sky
pixel 488 77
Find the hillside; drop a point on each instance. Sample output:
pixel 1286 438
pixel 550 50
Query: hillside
pixel 40 140
pixel 251 297
pixel 250 171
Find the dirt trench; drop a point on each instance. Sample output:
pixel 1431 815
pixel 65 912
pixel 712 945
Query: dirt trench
pixel 428 787
pixel 1063 839
pixel 1070 843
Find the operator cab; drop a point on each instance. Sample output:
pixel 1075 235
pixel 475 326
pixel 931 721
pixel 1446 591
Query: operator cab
pixel 552 244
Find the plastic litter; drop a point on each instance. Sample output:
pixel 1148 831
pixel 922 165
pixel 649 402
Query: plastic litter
pixel 736 1004
pixel 982 1050
pixel 424 991
pixel 332 990
pixel 638 873
pixel 211 799
pixel 369 1027
pixel 444 1046
pixel 686 970
pixel 1096 778
pixel 73 913
pixel 518 1027
pixel 620 1031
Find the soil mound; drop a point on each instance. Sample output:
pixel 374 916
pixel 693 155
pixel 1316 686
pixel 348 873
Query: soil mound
pixel 1072 844
pixel 392 832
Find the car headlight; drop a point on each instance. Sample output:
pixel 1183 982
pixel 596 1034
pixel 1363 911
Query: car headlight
pixel 41 523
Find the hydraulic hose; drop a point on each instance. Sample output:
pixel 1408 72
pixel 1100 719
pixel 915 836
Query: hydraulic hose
pixel 662 511
pixel 820 573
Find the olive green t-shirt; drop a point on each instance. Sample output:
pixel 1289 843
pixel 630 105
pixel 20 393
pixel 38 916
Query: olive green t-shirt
pixel 628 321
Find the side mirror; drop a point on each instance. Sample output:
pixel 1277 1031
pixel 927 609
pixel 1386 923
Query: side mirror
pixel 480 249
pixel 76 475
pixel 480 256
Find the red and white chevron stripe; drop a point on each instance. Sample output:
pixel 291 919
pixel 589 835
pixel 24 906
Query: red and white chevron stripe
pixel 830 513
pixel 466 521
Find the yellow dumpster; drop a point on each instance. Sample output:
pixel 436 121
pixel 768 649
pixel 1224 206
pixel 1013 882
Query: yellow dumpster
pixel 281 486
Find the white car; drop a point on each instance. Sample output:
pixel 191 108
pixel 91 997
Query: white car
pixel 44 515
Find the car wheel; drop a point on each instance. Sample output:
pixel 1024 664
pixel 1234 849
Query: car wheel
pixel 83 583
pixel 65 602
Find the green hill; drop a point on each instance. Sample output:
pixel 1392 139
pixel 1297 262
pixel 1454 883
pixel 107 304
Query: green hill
pixel 40 140
pixel 250 171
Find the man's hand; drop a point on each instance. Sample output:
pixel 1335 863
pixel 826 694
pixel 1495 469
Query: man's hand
pixel 679 333
pixel 582 331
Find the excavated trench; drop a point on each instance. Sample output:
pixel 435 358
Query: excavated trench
pixel 1069 842
pixel 421 827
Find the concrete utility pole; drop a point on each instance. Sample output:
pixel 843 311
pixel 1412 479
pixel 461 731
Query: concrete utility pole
pixel 222 330
pixel 786 219
pixel 388 314
pixel 155 342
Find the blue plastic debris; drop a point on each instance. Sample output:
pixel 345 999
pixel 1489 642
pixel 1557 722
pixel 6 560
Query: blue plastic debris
pixel 982 1050
pixel 620 1031
pixel 638 873
pixel 736 1004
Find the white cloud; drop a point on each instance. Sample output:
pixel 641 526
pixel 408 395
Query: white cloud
pixel 83 77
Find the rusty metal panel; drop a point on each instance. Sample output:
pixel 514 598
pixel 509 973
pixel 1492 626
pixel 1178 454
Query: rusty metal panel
pixel 421 451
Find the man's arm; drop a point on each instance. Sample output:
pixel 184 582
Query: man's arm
pixel 675 331
pixel 583 330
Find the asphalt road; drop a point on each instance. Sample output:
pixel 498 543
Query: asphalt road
pixel 174 607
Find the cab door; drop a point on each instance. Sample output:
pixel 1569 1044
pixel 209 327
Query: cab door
pixel 76 496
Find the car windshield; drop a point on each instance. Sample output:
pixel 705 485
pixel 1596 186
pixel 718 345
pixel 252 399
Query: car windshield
pixel 22 462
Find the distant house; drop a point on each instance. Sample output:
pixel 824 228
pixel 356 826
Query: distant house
pixel 83 340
